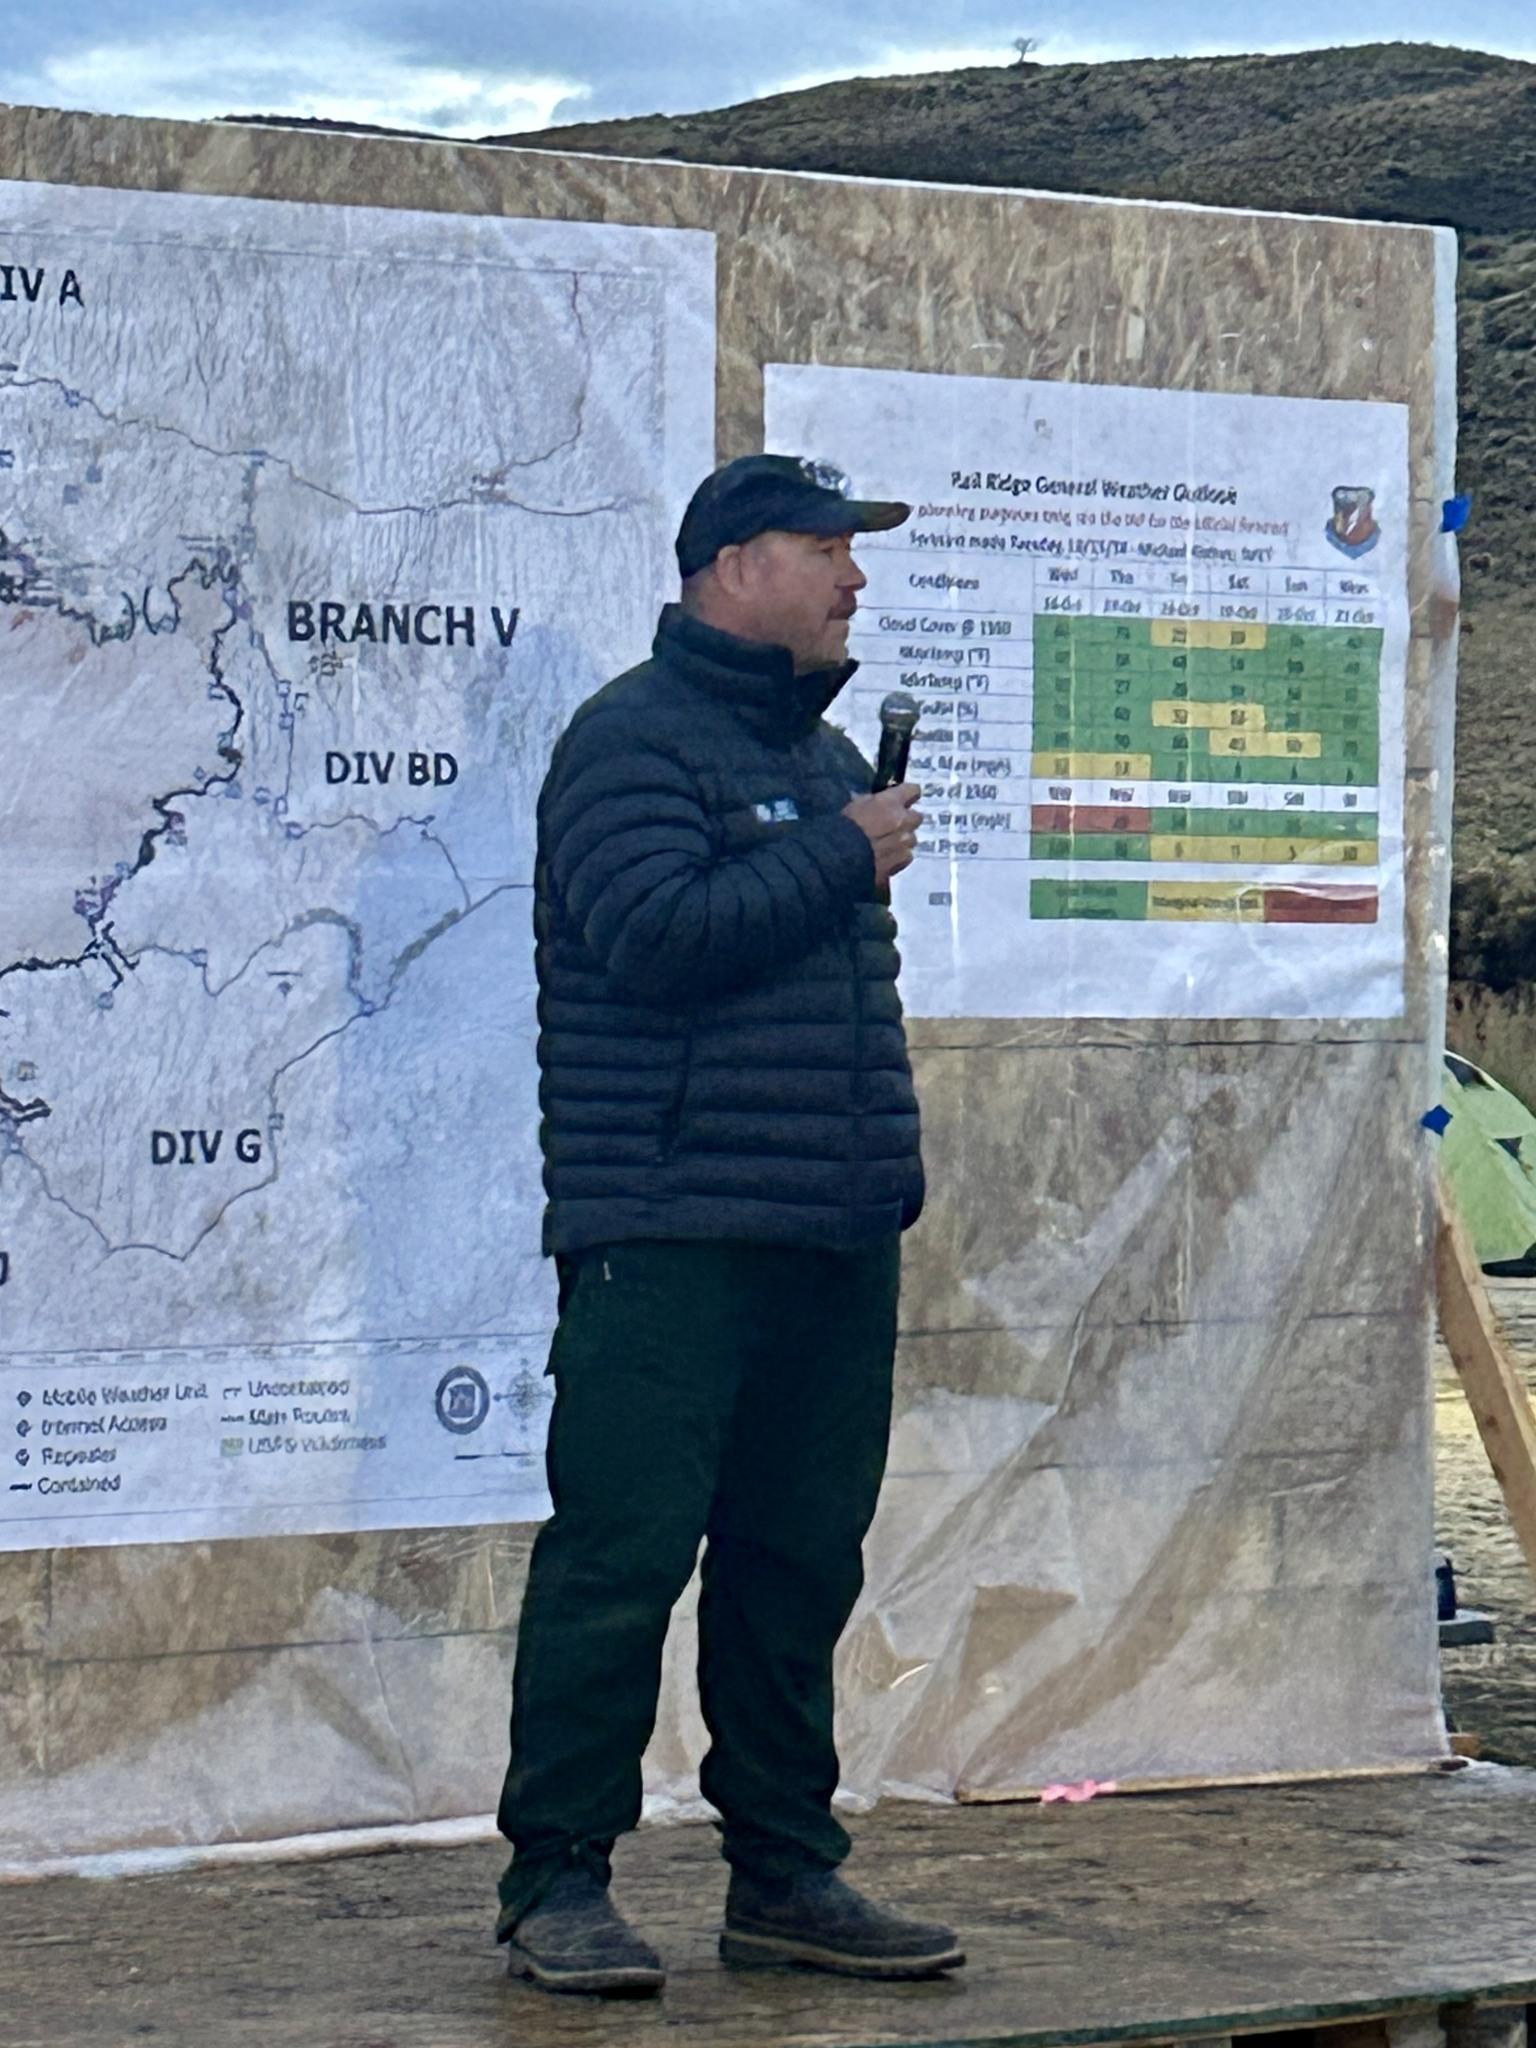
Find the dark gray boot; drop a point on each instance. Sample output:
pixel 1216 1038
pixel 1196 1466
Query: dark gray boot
pixel 821 1923
pixel 572 1939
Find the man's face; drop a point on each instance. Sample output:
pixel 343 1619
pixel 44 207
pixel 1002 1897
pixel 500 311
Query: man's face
pixel 800 591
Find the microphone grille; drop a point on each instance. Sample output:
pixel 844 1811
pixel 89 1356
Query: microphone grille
pixel 899 711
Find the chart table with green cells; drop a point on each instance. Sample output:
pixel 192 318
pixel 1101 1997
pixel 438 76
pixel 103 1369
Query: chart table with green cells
pixel 1199 767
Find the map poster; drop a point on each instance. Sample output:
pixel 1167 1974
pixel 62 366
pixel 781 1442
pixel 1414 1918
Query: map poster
pixel 316 523
pixel 1159 643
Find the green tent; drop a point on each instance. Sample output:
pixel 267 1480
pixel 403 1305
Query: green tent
pixel 1490 1162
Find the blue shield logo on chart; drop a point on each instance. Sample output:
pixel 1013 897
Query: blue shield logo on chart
pixel 462 1401
pixel 1352 528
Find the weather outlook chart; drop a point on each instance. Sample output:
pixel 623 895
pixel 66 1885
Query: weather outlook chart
pixel 1175 725
pixel 1158 641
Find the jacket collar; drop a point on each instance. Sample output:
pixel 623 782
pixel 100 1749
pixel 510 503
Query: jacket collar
pixel 758 681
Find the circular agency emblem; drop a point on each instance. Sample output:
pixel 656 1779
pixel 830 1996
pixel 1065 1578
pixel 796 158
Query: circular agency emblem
pixel 463 1400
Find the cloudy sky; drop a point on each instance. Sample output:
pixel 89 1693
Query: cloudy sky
pixel 479 67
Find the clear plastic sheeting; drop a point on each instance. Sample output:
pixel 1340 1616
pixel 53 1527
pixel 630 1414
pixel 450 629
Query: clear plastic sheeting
pixel 1193 1542
pixel 1159 1495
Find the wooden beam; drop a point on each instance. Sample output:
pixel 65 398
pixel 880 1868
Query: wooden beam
pixel 1495 1390
pixel 1236 1781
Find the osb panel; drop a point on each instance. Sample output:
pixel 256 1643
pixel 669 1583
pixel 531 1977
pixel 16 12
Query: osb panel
pixel 1114 1205
pixel 884 276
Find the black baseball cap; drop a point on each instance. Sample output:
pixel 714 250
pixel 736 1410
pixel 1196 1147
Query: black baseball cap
pixel 782 493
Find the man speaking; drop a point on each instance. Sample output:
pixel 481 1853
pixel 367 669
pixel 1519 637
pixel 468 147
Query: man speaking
pixel 731 1153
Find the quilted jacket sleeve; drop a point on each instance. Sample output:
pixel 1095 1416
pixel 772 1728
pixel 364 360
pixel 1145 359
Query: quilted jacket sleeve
pixel 629 849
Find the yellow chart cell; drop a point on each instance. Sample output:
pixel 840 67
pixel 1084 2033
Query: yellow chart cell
pixel 1206 902
pixel 1209 717
pixel 1094 767
pixel 1270 852
pixel 1350 853
pixel 1269 746
pixel 1206 846
pixel 1220 633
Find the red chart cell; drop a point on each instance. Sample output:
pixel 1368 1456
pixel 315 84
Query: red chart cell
pixel 1089 818
pixel 1322 905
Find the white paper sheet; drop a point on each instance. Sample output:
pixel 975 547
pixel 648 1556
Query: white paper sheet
pixel 1159 640
pixel 317 524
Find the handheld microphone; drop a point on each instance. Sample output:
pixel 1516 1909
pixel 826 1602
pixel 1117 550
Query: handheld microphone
pixel 898 716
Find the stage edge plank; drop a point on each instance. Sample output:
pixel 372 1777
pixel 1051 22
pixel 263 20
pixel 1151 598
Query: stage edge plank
pixel 1375 1913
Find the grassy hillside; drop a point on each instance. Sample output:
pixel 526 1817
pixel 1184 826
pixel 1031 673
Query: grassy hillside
pixel 1390 132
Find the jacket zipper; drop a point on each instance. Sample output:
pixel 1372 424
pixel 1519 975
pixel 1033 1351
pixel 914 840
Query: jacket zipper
pixel 856 1121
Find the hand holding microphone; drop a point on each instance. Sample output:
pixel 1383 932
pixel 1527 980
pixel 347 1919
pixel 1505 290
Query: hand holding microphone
pixel 890 825
pixel 887 817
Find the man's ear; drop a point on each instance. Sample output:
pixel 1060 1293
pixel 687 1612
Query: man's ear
pixel 732 572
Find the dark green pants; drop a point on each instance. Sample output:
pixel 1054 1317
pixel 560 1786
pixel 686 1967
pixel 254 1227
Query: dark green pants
pixel 731 1393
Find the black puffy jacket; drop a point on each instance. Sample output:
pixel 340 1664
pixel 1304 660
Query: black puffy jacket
pixel 721 1050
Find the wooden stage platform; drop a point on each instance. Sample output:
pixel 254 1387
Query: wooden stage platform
pixel 1382 1909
